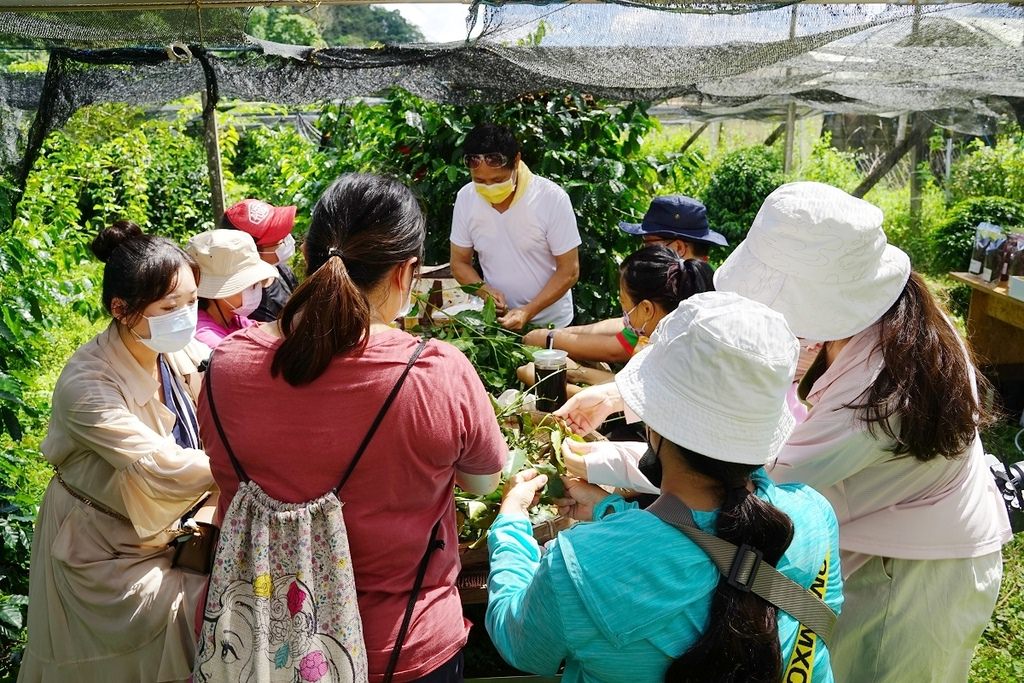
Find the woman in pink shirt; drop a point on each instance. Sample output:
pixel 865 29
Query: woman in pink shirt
pixel 297 396
pixel 891 438
pixel 231 287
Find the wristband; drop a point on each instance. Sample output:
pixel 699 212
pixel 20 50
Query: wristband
pixel 551 339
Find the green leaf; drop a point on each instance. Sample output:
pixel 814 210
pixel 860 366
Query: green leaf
pixel 554 487
pixel 516 461
pixel 556 449
pixel 11 615
pixel 490 312
pixel 11 423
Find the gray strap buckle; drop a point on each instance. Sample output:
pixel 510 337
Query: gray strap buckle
pixel 746 562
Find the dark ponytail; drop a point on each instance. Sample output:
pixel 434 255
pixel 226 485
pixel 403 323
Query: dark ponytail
pixel 741 641
pixel 362 226
pixel 138 268
pixel 924 386
pixel 656 274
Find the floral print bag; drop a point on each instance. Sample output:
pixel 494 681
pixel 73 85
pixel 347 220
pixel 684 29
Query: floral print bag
pixel 281 605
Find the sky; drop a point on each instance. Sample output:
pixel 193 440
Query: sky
pixel 439 22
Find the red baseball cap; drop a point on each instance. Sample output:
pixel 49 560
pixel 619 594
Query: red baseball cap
pixel 265 222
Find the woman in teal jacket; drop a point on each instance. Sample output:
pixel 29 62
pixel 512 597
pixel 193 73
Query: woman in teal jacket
pixel 631 598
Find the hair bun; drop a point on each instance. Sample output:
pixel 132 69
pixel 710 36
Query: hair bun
pixel 114 236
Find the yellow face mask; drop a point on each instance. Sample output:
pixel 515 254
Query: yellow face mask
pixel 498 192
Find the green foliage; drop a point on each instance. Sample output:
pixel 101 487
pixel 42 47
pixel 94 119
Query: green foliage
pixel 280 166
pixel 38 279
pixel 534 38
pixel 18 508
pixel 917 239
pixel 106 164
pixel 991 171
pixel 954 238
pixel 494 351
pixel 686 173
pixel 284 25
pixel 826 164
pixel 738 187
pixel 110 163
pixel 591 150
pixel 363 25
pixel 44 297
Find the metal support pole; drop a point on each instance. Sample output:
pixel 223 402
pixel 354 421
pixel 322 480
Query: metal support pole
pixel 787 158
pixel 919 150
pixel 918 153
pixel 211 140
pixel 948 170
pixel 693 138
pixel 901 128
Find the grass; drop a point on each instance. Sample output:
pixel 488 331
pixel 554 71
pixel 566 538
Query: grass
pixel 999 657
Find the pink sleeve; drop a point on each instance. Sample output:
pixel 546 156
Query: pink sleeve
pixel 208 336
pixel 484 450
pixel 616 463
pixel 795 405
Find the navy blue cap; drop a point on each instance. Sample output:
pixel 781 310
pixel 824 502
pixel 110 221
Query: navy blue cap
pixel 677 217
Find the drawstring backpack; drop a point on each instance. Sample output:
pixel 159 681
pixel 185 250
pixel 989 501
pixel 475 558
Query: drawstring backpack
pixel 281 605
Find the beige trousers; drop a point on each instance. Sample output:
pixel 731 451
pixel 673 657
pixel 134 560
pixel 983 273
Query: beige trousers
pixel 914 621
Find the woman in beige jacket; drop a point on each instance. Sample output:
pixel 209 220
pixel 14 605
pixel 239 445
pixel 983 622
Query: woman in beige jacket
pixel 104 602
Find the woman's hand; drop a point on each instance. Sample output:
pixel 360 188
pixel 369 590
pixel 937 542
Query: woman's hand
pixel 588 409
pixel 573 453
pixel 522 492
pixel 580 499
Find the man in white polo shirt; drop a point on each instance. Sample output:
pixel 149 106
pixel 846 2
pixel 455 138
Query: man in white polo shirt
pixel 522 228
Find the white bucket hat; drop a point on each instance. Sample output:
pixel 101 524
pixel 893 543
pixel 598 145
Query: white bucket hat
pixel 714 378
pixel 818 256
pixel 228 262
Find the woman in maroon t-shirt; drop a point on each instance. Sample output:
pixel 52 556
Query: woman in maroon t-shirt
pixel 299 395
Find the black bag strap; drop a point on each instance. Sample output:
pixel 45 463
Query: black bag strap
pixel 383 411
pixel 745 570
pixel 240 472
pixel 208 386
pixel 434 544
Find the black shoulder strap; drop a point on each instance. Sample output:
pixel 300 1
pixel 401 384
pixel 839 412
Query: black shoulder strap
pixel 745 570
pixel 383 411
pixel 208 385
pixel 421 572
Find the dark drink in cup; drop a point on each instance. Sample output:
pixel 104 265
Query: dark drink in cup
pixel 550 370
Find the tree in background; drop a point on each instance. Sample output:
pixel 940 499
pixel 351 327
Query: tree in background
pixel 354 26
pixel 285 25
pixel 363 25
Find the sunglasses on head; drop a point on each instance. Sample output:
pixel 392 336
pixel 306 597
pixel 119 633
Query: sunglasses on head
pixel 494 160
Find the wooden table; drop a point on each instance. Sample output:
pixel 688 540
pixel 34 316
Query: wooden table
pixel 995 323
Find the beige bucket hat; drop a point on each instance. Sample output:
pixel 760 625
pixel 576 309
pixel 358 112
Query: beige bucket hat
pixel 818 256
pixel 228 262
pixel 714 378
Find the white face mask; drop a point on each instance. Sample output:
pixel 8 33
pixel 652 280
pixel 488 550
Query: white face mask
pixel 406 308
pixel 251 298
pixel 171 332
pixel 285 251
